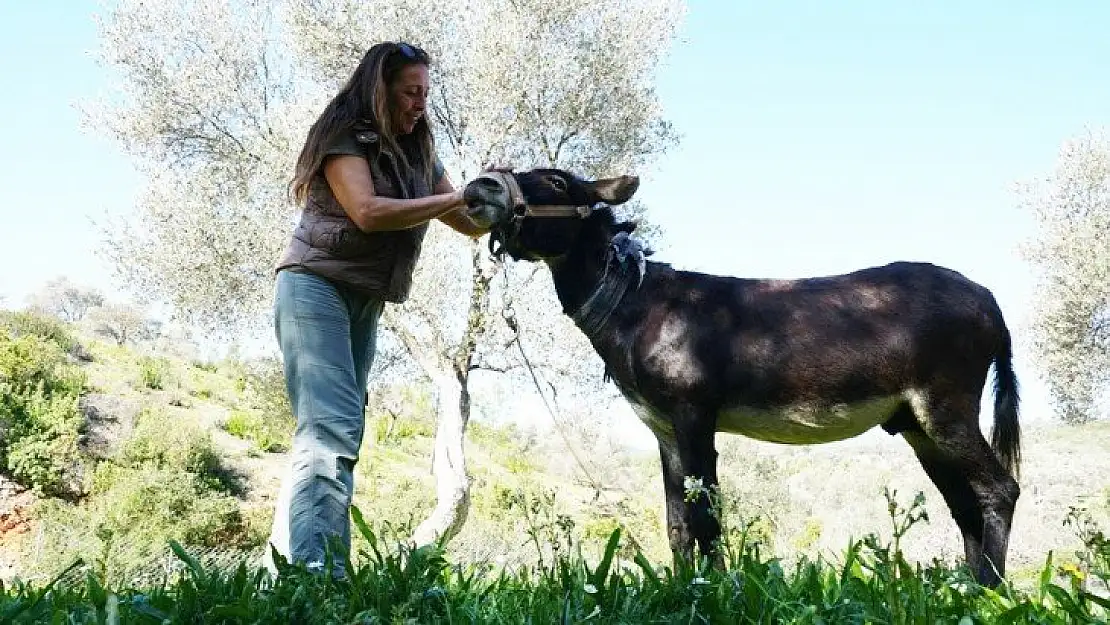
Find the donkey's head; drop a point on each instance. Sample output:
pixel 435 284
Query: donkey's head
pixel 539 214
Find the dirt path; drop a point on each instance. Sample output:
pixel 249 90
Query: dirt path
pixel 15 524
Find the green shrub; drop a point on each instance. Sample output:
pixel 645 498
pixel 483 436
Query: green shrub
pixel 263 387
pixel 392 429
pixel 26 323
pixel 40 419
pixel 401 413
pixel 240 423
pixel 26 360
pixel 263 415
pixel 165 482
pixel 210 367
pixel 498 438
pixel 122 529
pixel 153 372
pixel 636 520
pixel 269 434
pixel 152 501
pixel 519 464
pixel 598 528
pixel 810 535
pixel 42 449
pixel 160 440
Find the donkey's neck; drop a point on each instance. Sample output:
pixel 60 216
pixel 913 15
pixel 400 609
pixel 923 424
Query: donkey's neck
pixel 577 276
pixel 591 283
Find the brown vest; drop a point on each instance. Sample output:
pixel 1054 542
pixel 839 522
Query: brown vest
pixel 327 243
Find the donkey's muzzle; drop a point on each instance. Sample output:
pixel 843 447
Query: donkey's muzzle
pixel 485 200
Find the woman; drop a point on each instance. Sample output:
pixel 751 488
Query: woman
pixel 370 181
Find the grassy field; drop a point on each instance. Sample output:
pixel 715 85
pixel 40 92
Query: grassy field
pixel 111 453
pixel 872 583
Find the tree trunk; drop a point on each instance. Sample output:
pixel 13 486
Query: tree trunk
pixel 448 464
pixel 453 405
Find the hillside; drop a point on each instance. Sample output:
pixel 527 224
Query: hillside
pixel 160 446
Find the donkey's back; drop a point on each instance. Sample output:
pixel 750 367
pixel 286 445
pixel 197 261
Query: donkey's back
pixel 817 359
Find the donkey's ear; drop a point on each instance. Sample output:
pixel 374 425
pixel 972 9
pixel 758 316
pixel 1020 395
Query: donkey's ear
pixel 613 190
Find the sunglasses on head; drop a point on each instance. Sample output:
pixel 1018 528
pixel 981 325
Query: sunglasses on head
pixel 409 52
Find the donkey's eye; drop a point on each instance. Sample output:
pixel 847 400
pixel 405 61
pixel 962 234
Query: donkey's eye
pixel 558 183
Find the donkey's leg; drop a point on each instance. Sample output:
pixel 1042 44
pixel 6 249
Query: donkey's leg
pixel 686 449
pixel 698 456
pixel 679 530
pixel 947 474
pixel 979 492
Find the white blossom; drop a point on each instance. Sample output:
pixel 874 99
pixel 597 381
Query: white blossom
pixel 1071 329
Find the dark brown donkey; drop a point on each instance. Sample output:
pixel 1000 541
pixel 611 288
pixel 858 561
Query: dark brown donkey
pixel 906 346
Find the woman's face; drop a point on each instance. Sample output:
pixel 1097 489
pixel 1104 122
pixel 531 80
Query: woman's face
pixel 410 95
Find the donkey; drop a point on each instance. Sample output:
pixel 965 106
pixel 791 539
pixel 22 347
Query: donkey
pixel 906 346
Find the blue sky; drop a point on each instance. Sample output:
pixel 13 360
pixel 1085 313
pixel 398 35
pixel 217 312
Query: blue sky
pixel 818 137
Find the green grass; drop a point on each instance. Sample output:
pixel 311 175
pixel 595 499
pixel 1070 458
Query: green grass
pixel 871 583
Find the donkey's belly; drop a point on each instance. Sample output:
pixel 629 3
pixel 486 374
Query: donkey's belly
pixel 808 422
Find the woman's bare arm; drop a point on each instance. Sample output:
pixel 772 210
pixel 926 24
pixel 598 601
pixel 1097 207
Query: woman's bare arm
pixel 350 181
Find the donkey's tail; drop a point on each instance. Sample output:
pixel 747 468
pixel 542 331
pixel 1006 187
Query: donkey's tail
pixel 1006 434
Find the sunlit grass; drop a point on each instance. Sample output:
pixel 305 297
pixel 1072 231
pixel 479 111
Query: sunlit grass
pixel 394 583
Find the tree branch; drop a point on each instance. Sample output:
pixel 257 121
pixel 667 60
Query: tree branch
pixel 477 313
pixel 432 362
pixel 567 136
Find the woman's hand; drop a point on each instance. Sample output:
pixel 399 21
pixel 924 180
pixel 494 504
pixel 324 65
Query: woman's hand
pixel 457 219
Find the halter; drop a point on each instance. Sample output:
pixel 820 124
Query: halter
pixel 519 209
pixel 625 263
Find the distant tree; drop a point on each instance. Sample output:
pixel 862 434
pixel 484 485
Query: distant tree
pixel 124 324
pixel 218 95
pixel 62 298
pixel 1071 250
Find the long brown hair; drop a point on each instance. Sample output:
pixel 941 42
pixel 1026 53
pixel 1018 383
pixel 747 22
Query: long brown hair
pixel 366 98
